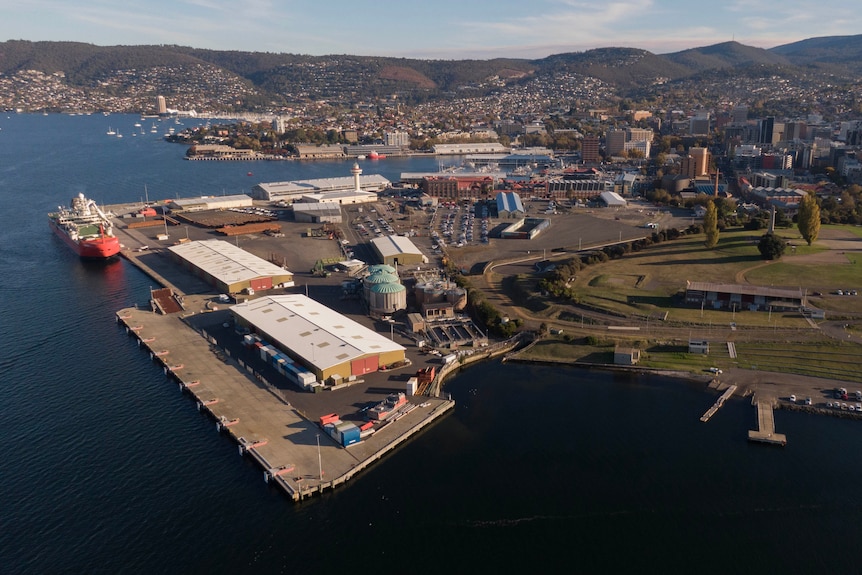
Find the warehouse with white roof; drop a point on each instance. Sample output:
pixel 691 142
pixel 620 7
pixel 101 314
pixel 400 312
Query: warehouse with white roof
pixel 229 268
pixel 321 339
pixel 292 191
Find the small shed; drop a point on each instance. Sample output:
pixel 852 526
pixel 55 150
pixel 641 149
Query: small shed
pixel 699 346
pixel 626 355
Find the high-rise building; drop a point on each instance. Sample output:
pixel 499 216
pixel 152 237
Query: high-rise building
pixel 797 130
pixel 701 160
pixel 590 149
pixel 615 142
pixel 739 114
pixel 767 128
pixel 639 135
pixel 161 106
pixel 699 124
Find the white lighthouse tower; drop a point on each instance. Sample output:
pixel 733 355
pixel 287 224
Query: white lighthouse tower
pixel 356 170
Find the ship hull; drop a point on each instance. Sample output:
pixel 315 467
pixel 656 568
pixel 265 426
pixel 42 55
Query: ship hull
pixel 93 249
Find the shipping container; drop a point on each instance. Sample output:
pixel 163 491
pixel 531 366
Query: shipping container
pixel 328 418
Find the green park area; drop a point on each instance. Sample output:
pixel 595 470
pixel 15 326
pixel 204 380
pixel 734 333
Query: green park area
pixel 640 295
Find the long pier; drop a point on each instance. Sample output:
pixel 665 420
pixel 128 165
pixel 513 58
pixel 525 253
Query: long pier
pixel 718 403
pixel 293 452
pixel 765 432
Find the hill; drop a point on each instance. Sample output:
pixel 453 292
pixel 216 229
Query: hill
pixel 255 80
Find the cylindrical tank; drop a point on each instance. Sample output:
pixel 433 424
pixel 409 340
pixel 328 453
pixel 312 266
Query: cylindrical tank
pixel 457 297
pixel 419 292
pixel 387 297
pixel 434 294
pixel 378 278
pixel 376 268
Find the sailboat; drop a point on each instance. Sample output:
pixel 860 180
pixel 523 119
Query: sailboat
pixel 111 132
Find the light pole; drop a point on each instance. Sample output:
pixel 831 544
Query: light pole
pixel 319 459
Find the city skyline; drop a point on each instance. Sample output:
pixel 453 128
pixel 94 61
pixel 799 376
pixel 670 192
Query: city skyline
pixel 449 30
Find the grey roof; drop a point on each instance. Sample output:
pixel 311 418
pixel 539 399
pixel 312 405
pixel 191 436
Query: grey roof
pixel 509 202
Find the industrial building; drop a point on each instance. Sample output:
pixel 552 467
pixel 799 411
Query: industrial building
pixel 324 341
pixel 292 191
pixel 612 200
pixel 317 213
pixel 509 205
pixel 211 203
pixel 743 297
pixel 397 250
pixel 229 268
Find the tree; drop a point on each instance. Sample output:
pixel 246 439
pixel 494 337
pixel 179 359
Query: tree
pixel 808 218
pixel 771 246
pixel 710 225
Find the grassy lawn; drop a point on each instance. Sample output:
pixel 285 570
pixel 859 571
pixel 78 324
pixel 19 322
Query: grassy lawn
pixel 828 360
pixel 646 283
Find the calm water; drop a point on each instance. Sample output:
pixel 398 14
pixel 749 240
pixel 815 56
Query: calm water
pixel 107 469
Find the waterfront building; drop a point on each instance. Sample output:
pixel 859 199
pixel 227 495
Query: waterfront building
pixel 228 268
pixel 324 341
pixel 470 148
pixel 292 191
pixel 211 203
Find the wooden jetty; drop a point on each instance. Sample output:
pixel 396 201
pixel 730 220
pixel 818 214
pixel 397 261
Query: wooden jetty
pixel 718 403
pixel 766 424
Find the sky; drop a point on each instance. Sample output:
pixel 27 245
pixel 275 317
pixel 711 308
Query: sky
pixel 429 29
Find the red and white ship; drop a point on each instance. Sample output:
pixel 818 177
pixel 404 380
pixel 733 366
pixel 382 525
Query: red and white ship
pixel 86 229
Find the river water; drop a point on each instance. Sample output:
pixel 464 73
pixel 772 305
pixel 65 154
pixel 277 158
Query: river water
pixel 107 469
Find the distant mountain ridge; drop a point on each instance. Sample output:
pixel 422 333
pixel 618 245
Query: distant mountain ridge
pixel 269 77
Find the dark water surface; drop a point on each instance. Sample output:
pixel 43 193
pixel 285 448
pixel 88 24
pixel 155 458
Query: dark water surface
pixel 106 468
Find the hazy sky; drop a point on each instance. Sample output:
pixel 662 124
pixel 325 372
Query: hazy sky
pixel 444 29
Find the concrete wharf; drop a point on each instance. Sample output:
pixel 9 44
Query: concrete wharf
pixel 718 403
pixel 765 432
pixel 293 452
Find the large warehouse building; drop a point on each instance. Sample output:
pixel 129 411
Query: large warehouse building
pixel 292 191
pixel 397 250
pixel 321 339
pixel 211 203
pixel 229 268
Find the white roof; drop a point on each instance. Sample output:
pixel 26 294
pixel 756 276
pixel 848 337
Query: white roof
pixel 300 187
pixel 321 336
pixel 212 200
pixel 613 199
pixel 394 245
pixel 225 261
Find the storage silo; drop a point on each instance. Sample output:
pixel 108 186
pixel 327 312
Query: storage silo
pixel 380 277
pixel 377 268
pixel 387 298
